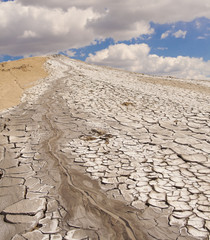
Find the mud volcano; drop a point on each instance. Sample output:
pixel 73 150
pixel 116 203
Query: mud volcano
pixel 98 153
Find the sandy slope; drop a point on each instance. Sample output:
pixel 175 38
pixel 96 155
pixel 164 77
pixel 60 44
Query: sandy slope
pixel 16 76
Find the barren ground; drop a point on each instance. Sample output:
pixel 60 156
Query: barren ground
pixel 98 153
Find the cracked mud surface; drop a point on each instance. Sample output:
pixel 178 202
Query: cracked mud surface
pixel 98 153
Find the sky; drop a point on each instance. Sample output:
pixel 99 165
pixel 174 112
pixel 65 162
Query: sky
pixel 164 37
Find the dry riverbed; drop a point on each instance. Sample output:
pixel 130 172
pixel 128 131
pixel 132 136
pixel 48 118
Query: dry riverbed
pixel 98 153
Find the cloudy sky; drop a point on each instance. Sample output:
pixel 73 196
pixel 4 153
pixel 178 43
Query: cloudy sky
pixel 160 37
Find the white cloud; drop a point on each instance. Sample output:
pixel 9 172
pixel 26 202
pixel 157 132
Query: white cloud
pixel 180 34
pixel 161 11
pixel 69 53
pixel 165 34
pixel 38 26
pixel 137 58
pixel 28 29
pixel 119 30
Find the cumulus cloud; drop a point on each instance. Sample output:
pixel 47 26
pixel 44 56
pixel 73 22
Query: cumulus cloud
pixel 137 58
pixel 180 34
pixel 119 30
pixel 38 26
pixel 30 29
pixel 160 11
pixel 165 34
pixel 35 29
pixel 177 34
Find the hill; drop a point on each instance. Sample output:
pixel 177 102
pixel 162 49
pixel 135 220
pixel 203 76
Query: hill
pixel 99 153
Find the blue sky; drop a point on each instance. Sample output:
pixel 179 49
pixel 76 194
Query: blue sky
pixel 195 44
pixel 149 36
